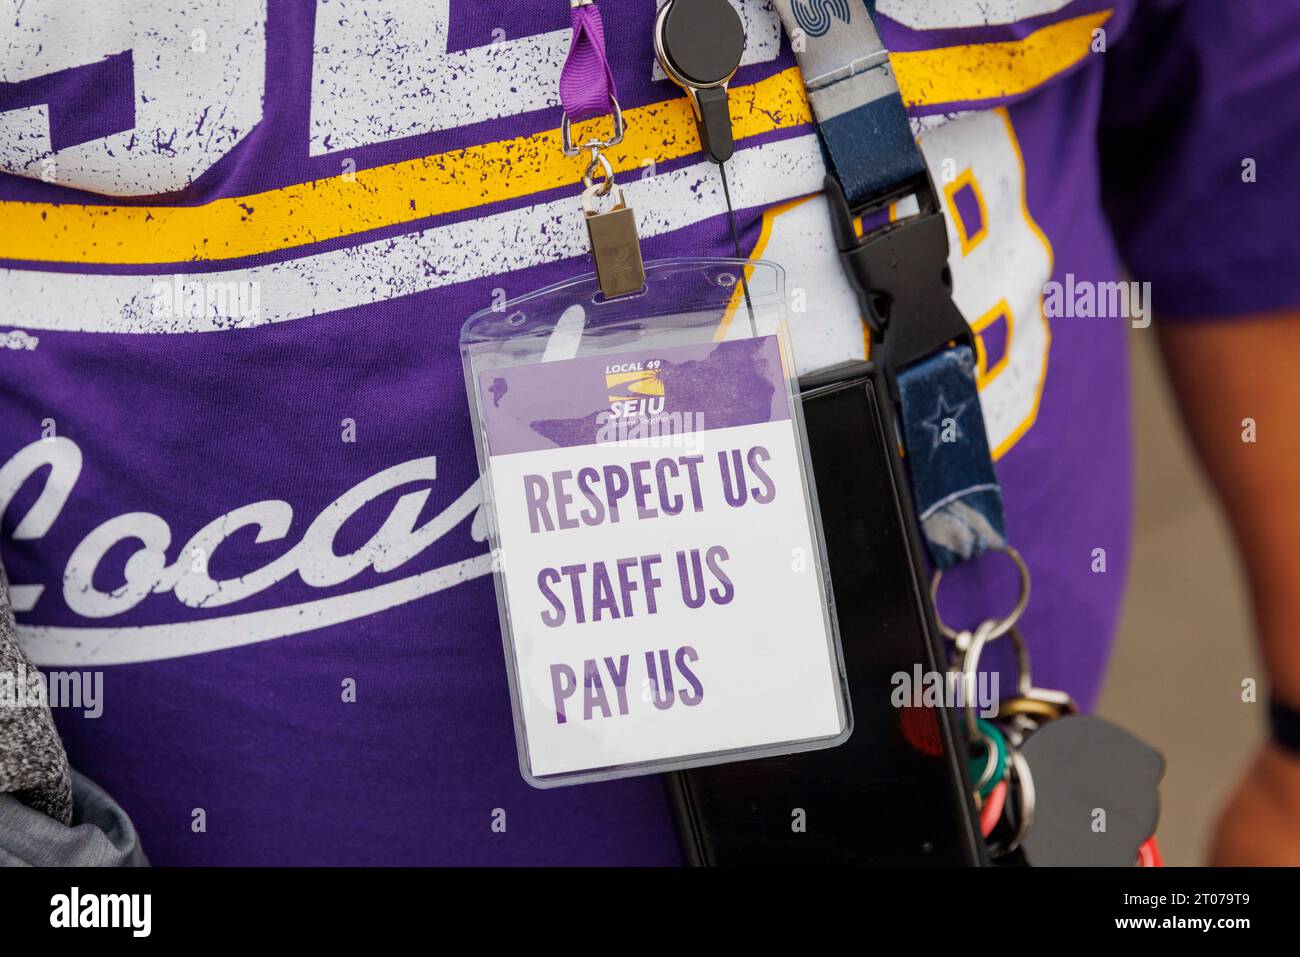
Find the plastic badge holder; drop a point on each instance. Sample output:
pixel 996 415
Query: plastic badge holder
pixel 658 555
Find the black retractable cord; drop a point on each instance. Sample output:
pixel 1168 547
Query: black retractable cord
pixel 699 44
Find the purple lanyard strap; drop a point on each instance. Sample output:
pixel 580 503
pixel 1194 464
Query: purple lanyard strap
pixel 586 90
pixel 586 83
pixel 587 86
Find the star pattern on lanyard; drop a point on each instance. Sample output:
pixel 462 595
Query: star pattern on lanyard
pixel 943 411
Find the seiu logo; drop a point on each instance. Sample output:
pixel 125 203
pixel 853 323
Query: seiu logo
pixel 635 388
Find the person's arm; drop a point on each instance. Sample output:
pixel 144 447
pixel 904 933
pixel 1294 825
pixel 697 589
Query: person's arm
pixel 33 765
pixel 1224 373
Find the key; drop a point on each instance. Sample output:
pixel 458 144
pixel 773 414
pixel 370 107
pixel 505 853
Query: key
pixel 1025 721
pixel 1070 790
pixel 1095 793
pixel 615 246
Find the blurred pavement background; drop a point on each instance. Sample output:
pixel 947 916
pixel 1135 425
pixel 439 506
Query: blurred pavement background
pixel 1185 640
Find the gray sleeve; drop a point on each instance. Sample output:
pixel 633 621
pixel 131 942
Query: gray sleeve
pixel 100 835
pixel 33 765
pixel 49 814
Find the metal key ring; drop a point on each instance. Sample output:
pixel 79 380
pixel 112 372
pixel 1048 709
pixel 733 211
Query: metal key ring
pixel 1026 801
pixel 599 161
pixel 1004 624
pixel 970 663
pixel 990 762
pixel 995 763
pixel 1027 690
pixel 1030 707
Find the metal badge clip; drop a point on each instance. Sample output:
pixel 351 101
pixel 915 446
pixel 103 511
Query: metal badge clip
pixel 615 246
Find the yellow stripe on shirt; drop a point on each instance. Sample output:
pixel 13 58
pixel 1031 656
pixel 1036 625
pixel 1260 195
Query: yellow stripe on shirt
pixel 412 190
pixel 345 205
pixel 985 71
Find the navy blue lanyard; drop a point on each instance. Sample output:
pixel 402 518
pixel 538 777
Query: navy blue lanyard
pixel 900 273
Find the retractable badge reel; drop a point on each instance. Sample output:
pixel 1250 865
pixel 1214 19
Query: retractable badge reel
pixel 699 44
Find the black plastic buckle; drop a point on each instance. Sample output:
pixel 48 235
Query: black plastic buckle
pixel 900 273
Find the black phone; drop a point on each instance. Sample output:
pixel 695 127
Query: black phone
pixel 895 793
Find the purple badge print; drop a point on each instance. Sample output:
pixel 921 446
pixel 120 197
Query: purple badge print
pixel 498 390
pixel 564 405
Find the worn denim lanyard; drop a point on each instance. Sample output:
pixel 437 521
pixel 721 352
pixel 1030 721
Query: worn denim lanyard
pixel 900 272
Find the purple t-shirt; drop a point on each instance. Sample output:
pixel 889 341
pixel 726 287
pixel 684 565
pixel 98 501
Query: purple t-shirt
pixel 236 467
